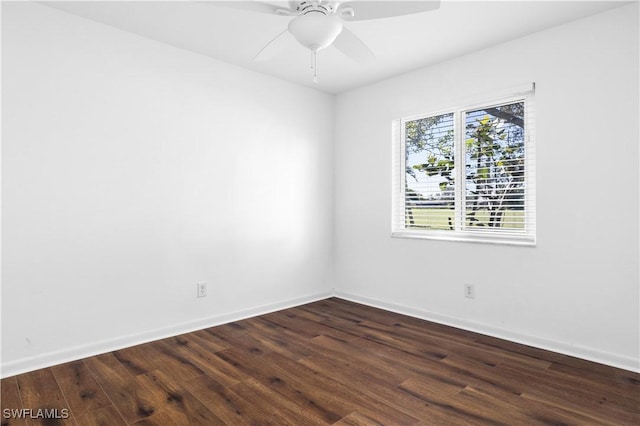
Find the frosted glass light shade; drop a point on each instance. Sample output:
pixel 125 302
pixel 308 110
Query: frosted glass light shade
pixel 315 31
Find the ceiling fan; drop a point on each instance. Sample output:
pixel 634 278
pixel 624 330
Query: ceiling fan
pixel 318 24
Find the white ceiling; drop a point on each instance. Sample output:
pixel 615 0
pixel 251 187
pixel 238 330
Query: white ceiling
pixel 401 44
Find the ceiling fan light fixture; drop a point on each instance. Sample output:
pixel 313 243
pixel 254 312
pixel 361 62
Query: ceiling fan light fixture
pixel 317 24
pixel 315 31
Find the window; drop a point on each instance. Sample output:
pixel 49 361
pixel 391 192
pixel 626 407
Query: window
pixel 467 173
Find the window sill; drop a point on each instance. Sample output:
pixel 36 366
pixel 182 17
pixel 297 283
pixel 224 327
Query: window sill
pixel 469 237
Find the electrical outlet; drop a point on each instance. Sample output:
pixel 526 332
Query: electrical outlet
pixel 469 291
pixel 201 289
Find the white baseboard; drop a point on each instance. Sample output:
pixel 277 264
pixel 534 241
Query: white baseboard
pixel 96 348
pixel 590 354
pixel 54 358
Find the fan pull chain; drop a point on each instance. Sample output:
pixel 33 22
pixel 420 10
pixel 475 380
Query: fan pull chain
pixel 314 69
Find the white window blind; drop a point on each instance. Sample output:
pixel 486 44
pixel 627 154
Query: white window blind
pixel 467 173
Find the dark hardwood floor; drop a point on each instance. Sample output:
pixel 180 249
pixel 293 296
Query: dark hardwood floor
pixel 328 362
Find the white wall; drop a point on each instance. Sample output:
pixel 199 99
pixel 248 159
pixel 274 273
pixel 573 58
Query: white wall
pixel 132 170
pixel 577 291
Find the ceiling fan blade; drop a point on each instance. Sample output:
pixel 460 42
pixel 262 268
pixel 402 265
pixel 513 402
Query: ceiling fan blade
pixel 349 44
pixel 278 44
pixel 360 10
pixel 276 8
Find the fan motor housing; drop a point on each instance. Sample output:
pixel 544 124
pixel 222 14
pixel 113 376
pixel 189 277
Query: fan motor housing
pixel 314 6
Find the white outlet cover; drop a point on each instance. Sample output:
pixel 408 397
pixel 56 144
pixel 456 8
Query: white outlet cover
pixel 469 291
pixel 201 289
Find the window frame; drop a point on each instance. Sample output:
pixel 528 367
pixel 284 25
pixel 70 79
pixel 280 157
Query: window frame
pixel 527 237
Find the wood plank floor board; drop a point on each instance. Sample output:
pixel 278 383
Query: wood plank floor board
pixel 335 391
pixel 553 408
pixel 358 356
pixel 164 353
pixel 408 364
pixel 245 341
pixel 477 374
pixel 496 409
pixel 103 416
pixel 621 380
pixel 598 391
pixel 137 359
pixel 274 406
pixel 586 405
pixel 227 404
pixel 416 341
pixel 502 389
pixel 280 340
pixel 423 343
pixel 249 364
pixel 448 406
pixel 475 406
pixel 231 330
pixel 10 400
pixel 346 326
pixel 349 312
pixel 534 412
pixel 301 386
pixel 159 418
pixel 362 391
pixel 449 400
pixel 210 364
pixel 266 370
pixel 301 321
pixel 357 419
pixel 79 387
pixel 341 390
pixel 132 401
pixel 172 398
pixel 466 372
pixel 517 350
pixel 573 367
pixel 338 319
pixel 202 339
pixel 219 343
pixel 331 362
pixel 39 390
pixel 292 325
pixel 561 392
